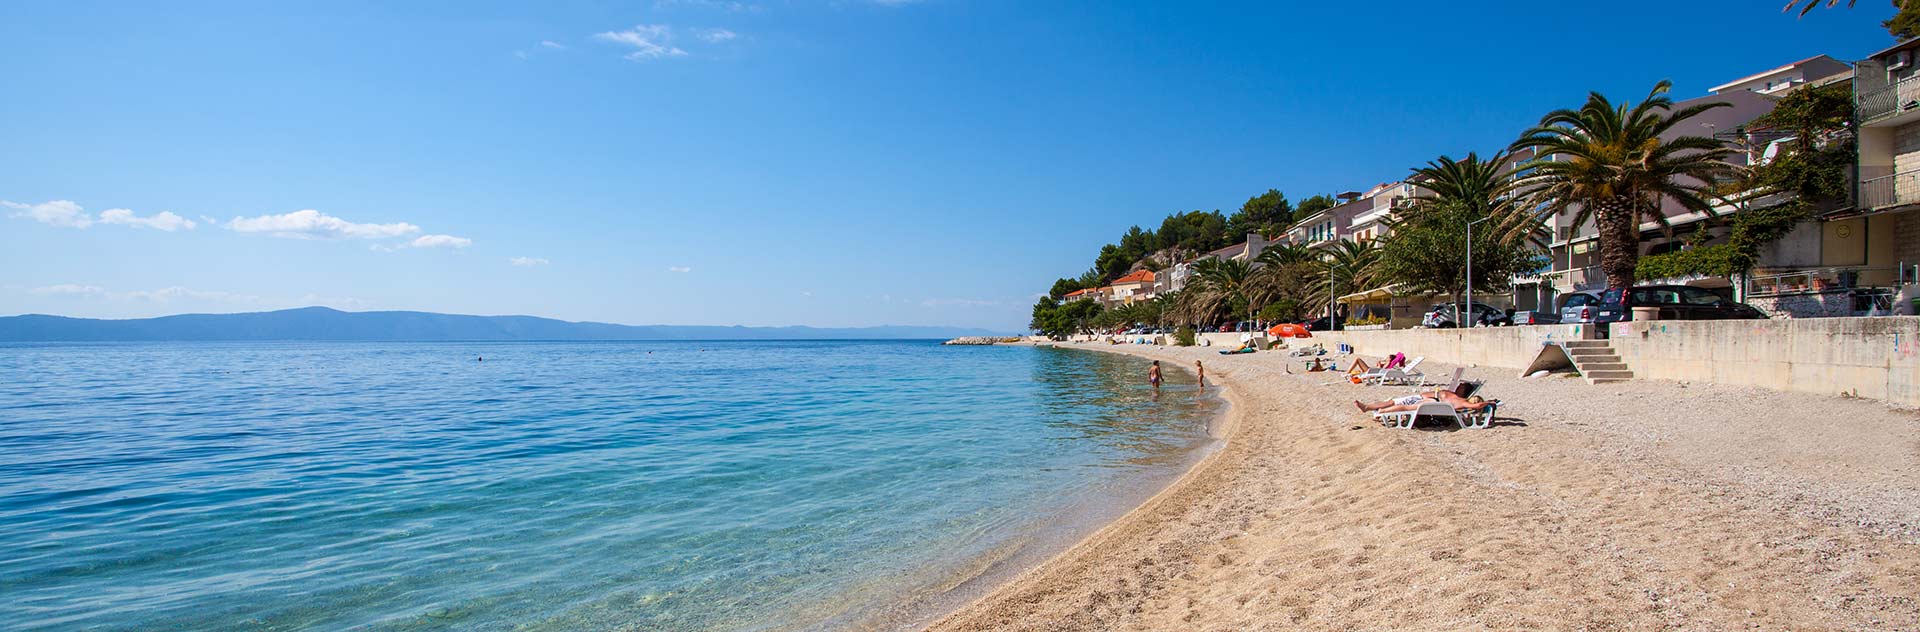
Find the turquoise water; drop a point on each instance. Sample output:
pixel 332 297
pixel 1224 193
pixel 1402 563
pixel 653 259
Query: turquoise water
pixel 562 486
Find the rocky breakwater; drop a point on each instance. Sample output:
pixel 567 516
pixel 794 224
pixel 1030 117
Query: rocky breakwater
pixel 979 340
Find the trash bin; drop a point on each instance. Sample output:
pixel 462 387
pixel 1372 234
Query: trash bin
pixel 1646 313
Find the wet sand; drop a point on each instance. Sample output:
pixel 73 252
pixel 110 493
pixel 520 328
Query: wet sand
pixel 1643 505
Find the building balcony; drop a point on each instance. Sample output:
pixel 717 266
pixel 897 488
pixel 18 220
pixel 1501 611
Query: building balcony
pixel 1892 105
pixel 1889 191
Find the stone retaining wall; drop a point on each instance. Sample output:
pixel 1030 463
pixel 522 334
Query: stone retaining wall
pixel 1877 358
pixel 1503 347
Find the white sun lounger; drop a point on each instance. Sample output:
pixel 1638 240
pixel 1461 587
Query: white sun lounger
pixel 1404 418
pixel 1409 374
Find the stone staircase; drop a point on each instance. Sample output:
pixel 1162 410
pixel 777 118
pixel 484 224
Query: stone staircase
pixel 1597 361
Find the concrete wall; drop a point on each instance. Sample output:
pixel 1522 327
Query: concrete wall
pixel 1503 347
pixel 1878 358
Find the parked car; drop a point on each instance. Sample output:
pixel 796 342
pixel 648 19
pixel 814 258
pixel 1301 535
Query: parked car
pixel 1442 316
pixel 1533 318
pixel 1321 324
pixel 1676 302
pixel 1579 307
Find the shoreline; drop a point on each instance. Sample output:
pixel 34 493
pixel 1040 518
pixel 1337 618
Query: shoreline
pixel 1083 520
pixel 1309 516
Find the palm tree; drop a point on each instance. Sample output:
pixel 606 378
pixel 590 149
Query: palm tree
pixel 1225 280
pixel 1348 266
pixel 1612 165
pixel 1486 187
pixel 1283 254
pixel 1809 5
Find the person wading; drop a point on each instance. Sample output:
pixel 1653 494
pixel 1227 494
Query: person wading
pixel 1153 375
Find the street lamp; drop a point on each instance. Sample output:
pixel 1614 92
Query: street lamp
pixel 1330 297
pixel 1462 317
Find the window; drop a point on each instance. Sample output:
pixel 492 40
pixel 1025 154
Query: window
pixel 1647 296
pixel 1697 296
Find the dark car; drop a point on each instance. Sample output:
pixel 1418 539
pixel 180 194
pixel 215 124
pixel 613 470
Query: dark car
pixel 1442 316
pixel 1321 324
pixel 1676 302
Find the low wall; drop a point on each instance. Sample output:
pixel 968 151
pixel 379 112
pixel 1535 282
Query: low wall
pixel 1876 358
pixel 1504 347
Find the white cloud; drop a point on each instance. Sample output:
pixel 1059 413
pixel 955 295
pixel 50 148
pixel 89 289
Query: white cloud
pixel 166 294
pixel 337 302
pixel 679 269
pixel 67 213
pixel 440 241
pixel 552 44
pixel 716 35
pixel 520 54
pixel 734 6
pixel 528 261
pixel 312 224
pixel 164 220
pixel 162 295
pixel 956 302
pixel 56 213
pixel 649 41
pixel 70 289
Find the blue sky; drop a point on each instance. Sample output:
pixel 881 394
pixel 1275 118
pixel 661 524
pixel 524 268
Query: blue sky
pixel 756 162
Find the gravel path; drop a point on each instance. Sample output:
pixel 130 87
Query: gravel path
pixel 1643 505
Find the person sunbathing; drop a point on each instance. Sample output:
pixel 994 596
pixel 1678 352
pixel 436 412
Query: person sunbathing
pixel 1359 367
pixel 1413 402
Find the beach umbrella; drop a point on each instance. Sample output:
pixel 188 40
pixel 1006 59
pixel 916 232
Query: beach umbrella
pixel 1288 330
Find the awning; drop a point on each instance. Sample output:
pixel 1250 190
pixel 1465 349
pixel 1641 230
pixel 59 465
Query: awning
pixel 1375 294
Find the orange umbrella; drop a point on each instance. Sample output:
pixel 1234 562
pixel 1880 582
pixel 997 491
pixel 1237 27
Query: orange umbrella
pixel 1288 330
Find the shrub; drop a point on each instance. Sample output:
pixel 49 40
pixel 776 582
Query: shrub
pixel 1719 260
pixel 1183 336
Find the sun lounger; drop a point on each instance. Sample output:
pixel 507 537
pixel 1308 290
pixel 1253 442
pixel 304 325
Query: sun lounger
pixel 1405 418
pixel 1409 374
pixel 1482 418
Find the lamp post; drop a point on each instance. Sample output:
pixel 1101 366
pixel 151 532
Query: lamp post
pixel 1462 318
pixel 1330 297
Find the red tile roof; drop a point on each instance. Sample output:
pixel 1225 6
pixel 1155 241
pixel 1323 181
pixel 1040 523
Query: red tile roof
pixel 1142 276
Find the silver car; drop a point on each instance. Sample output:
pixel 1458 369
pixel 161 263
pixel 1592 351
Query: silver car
pixel 1579 307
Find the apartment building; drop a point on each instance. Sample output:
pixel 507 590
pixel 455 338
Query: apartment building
pixel 1881 242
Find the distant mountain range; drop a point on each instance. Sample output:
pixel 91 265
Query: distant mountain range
pixel 321 323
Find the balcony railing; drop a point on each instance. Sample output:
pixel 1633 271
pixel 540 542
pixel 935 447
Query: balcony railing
pixel 1894 190
pixel 1886 102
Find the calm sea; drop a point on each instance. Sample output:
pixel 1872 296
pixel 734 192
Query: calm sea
pixel 556 486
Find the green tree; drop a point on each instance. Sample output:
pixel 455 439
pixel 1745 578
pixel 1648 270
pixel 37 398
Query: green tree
pixel 1486 186
pixel 1814 170
pixel 1063 287
pixel 1227 283
pixel 1266 213
pixel 1342 268
pixel 1285 254
pixel 1312 205
pixel 1609 163
pixel 1816 165
pixel 1426 254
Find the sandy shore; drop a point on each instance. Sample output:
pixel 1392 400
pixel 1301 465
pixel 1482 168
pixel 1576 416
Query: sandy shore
pixel 1644 505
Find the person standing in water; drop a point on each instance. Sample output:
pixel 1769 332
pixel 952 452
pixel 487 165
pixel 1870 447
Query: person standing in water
pixel 1202 371
pixel 1153 375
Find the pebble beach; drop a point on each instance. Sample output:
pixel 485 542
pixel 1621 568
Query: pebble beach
pixel 1640 505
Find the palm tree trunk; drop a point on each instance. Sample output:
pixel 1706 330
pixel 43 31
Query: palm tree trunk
pixel 1615 218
